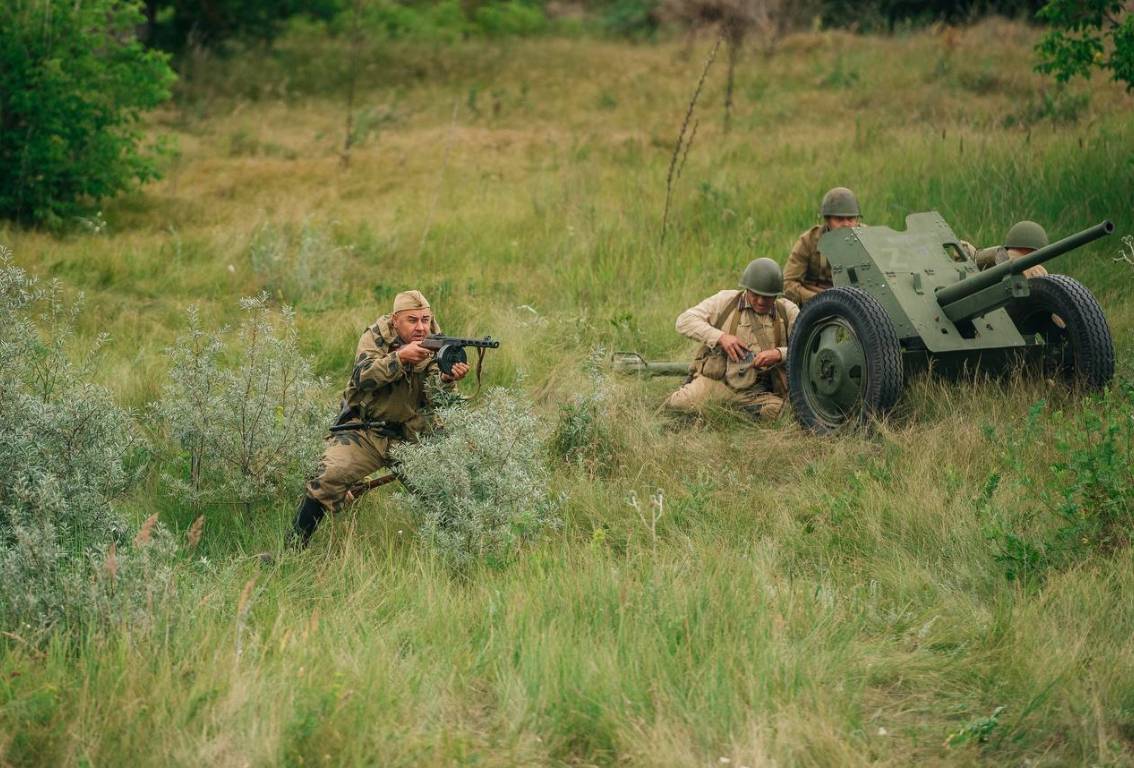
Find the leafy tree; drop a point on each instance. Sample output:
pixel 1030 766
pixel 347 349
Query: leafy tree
pixel 1086 34
pixel 74 82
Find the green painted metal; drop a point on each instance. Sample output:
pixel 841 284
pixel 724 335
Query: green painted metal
pixel 836 365
pixel 937 299
pixel 1016 266
pixel 903 270
pixel 632 362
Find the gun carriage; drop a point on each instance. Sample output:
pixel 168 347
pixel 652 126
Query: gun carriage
pixel 910 300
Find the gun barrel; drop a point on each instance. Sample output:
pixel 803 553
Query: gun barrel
pixel 436 341
pixel 978 282
pixel 632 362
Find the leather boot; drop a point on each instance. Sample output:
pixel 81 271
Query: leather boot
pixel 307 517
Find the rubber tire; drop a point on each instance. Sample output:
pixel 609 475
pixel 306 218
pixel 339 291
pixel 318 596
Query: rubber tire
pixel 881 351
pixel 1091 344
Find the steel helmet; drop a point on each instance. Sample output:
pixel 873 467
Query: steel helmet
pixel 764 277
pixel 839 201
pixel 1026 234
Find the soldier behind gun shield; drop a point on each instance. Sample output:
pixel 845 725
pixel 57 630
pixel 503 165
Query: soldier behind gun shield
pixel 744 336
pixel 383 403
pixel 808 273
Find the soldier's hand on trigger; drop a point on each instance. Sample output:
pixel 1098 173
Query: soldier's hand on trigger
pixel 768 357
pixel 732 346
pixel 412 353
pixel 459 372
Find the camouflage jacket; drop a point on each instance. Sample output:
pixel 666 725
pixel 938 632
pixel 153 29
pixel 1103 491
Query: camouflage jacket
pixel 382 389
pixel 807 272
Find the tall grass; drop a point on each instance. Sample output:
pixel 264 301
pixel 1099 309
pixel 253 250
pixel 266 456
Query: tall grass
pixel 802 601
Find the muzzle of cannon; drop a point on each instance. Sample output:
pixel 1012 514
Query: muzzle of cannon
pixel 996 287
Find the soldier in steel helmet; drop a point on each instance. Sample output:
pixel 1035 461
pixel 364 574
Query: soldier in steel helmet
pixel 383 403
pixel 808 273
pixel 1022 238
pixel 744 336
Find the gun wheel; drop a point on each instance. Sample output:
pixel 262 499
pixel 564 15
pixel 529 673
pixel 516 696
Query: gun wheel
pixel 844 361
pixel 1067 330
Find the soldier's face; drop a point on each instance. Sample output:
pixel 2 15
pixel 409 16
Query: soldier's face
pixel 840 222
pixel 761 304
pixel 412 324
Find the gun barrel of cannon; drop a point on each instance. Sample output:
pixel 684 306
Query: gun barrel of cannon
pixel 632 362
pixel 978 282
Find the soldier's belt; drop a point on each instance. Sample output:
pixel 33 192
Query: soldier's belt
pixel 384 428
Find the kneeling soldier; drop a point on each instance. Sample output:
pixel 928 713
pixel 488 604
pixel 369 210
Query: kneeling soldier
pixel 383 403
pixel 808 273
pixel 1023 237
pixel 744 336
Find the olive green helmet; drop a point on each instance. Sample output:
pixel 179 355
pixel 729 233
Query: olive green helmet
pixel 1026 234
pixel 839 201
pixel 763 276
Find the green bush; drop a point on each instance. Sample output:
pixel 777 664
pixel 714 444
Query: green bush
pixel 511 18
pixel 583 435
pixel 1085 35
pixel 1084 499
pixel 630 18
pixel 246 417
pixel 443 21
pixel 478 485
pixel 66 452
pixel 299 265
pixel 74 81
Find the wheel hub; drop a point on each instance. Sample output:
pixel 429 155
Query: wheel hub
pixel 829 371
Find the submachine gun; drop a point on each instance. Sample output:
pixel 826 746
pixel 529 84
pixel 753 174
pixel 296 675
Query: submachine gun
pixel 450 350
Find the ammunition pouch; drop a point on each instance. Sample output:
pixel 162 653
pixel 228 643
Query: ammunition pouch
pixel 710 363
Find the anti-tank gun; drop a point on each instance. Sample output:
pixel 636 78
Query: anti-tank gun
pixel 904 301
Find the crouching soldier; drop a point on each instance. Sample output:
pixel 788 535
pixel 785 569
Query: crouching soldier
pixel 808 273
pixel 1022 238
pixel 383 404
pixel 744 336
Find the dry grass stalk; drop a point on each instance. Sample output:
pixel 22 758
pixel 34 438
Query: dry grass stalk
pixel 688 144
pixel 243 608
pixel 669 177
pixel 355 43
pixel 111 564
pixel 146 532
pixel 193 536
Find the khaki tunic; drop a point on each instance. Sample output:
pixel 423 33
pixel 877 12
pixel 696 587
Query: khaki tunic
pixel 717 379
pixel 380 390
pixel 807 272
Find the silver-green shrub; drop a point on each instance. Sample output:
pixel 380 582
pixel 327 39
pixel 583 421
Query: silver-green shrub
pixel 296 265
pixel 66 452
pixel 478 485
pixel 582 434
pixel 245 409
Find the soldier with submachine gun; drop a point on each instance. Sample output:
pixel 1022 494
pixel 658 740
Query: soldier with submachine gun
pixel 398 361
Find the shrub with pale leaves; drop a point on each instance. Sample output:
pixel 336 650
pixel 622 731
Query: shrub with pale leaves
pixel 67 450
pixel 245 410
pixel 478 484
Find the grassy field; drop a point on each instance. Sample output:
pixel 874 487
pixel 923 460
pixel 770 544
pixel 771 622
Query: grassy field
pixel 803 601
